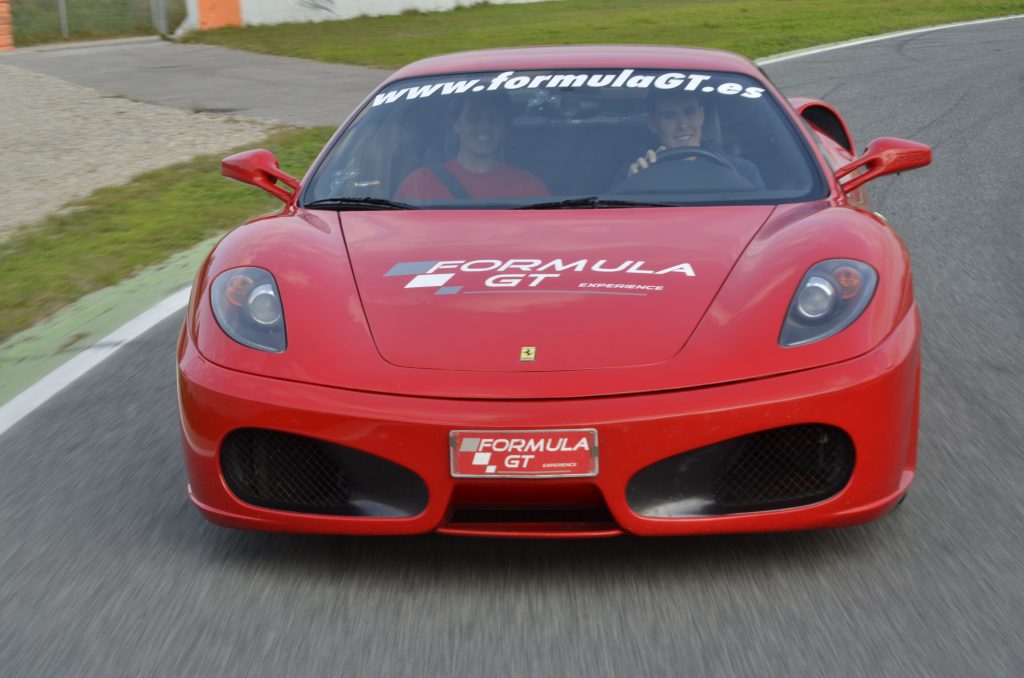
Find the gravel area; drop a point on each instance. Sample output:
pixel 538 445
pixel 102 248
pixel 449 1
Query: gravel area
pixel 59 142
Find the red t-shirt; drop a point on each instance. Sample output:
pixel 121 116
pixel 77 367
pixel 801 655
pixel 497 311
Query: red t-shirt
pixel 504 181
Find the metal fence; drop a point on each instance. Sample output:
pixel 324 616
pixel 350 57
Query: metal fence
pixel 39 21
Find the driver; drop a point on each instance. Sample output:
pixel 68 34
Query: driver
pixel 677 119
pixel 477 170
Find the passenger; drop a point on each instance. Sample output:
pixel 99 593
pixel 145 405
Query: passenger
pixel 477 170
pixel 677 119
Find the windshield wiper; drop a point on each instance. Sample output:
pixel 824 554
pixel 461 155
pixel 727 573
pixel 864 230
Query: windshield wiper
pixel 592 201
pixel 342 204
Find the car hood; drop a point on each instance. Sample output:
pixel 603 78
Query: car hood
pixel 513 291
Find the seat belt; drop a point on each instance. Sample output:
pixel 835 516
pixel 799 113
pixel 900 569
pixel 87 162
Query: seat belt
pixel 450 181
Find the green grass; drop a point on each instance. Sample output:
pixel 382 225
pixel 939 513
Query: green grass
pixel 754 28
pixel 116 231
pixel 38 21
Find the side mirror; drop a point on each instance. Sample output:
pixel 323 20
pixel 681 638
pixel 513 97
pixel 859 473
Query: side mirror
pixel 885 155
pixel 259 167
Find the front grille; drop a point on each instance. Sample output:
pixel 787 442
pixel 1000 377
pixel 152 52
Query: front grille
pixel 792 465
pixel 582 515
pixel 774 469
pixel 289 472
pixel 279 470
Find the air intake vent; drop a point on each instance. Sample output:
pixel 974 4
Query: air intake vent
pixel 827 122
pixel 278 470
pixel 289 472
pixel 790 465
pixel 774 469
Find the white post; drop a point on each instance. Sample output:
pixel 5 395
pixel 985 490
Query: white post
pixel 64 19
pixel 158 10
pixel 191 21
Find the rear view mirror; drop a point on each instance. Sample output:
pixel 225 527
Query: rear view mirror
pixel 885 155
pixel 259 167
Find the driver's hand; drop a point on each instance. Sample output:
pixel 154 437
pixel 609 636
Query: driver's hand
pixel 645 160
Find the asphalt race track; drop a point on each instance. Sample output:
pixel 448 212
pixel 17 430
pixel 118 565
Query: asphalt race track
pixel 108 571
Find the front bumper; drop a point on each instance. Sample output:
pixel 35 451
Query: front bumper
pixel 873 398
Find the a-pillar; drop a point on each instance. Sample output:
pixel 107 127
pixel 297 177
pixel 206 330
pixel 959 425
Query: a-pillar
pixel 6 27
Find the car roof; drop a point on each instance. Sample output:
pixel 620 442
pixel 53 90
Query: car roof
pixel 580 56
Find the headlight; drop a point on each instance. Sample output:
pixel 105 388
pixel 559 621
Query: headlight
pixel 248 308
pixel 830 297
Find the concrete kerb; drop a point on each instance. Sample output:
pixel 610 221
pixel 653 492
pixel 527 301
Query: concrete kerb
pixel 88 44
pixel 75 330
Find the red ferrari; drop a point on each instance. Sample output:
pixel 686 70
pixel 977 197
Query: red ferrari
pixel 560 292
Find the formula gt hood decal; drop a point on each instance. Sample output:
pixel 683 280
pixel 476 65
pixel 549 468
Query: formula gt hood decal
pixel 479 290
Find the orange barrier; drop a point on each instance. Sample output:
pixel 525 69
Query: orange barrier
pixel 219 13
pixel 6 29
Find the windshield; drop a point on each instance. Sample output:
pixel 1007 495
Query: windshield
pixel 567 139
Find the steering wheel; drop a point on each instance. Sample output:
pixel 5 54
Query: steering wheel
pixel 683 152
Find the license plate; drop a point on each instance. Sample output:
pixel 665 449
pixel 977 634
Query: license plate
pixel 557 453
